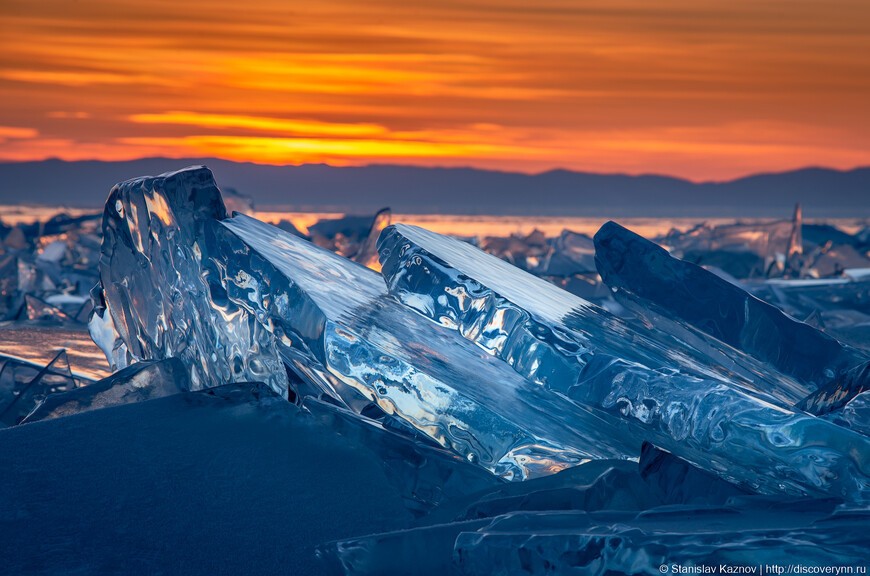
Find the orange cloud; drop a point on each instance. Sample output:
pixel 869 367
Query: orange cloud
pixel 301 150
pixel 13 132
pixel 258 123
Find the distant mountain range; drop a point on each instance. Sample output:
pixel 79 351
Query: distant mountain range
pixel 408 189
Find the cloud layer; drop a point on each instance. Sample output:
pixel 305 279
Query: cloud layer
pixel 696 89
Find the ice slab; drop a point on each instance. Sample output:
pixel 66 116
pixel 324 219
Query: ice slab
pixel 854 415
pixel 16 239
pixel 161 297
pixel 505 310
pixel 335 324
pixel 354 237
pixel 531 252
pixel 17 276
pixel 630 264
pixel 425 551
pixel 595 485
pixel 744 531
pixel 52 252
pixel 578 351
pixel 23 386
pixel 838 306
pixel 573 253
pixel 837 393
pixel 613 543
pixel 672 480
pixel 235 201
pixel 35 309
pixel 142 381
pixel 659 479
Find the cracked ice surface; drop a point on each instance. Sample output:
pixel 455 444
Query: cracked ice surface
pixel 579 351
pixel 336 325
pixel 162 299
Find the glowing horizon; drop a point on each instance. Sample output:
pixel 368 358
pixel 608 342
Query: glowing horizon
pixel 683 88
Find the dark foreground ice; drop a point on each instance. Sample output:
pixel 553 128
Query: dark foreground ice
pixel 197 483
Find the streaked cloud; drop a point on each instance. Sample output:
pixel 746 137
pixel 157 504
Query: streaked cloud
pixel 66 114
pixel 309 127
pixel 15 132
pixel 302 150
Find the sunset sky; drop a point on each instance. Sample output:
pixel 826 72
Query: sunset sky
pixel 693 88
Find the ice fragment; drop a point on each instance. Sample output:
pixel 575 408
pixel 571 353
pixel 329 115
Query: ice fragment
pixel 161 296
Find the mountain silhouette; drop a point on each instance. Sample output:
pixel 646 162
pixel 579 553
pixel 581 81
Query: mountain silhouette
pixel 410 189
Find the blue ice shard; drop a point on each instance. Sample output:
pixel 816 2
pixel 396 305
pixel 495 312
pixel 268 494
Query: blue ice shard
pixel 24 385
pixel 367 254
pixel 641 270
pixel 577 351
pixel 838 306
pixel 855 414
pixel 161 297
pixel 743 532
pixel 336 326
pixel 142 381
pixel 505 311
pixel 35 309
pixel 837 393
pixel 656 541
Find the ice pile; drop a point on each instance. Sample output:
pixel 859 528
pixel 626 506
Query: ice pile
pixel 813 271
pixel 744 250
pixel 774 249
pixel 47 269
pixel 458 347
pixel 703 403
